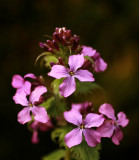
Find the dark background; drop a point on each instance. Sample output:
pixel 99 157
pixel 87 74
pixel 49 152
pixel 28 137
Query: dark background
pixel 112 27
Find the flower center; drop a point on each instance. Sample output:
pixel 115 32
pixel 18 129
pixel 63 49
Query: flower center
pixel 82 126
pixel 71 73
pixel 115 123
pixel 30 105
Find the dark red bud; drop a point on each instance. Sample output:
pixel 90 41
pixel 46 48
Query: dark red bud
pixel 52 64
pixel 56 37
pixel 60 61
pixel 56 45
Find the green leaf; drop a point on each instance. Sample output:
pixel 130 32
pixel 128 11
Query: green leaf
pixel 58 135
pixel 50 58
pixel 41 55
pixel 90 59
pixel 85 152
pixel 47 58
pixel 55 85
pixel 54 106
pixel 55 155
pixel 83 88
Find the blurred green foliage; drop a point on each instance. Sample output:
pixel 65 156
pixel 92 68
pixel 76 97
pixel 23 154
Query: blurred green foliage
pixel 111 27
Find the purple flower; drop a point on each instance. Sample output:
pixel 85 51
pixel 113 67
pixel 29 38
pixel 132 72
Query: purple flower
pixel 21 84
pixel 83 108
pixel 91 136
pixel 36 125
pixel 100 64
pixel 38 112
pixel 68 86
pixel 109 126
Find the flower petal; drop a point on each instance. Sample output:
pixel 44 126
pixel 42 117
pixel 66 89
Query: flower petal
pixel 20 98
pixel 40 114
pixel 59 71
pixel 92 137
pixel 84 75
pixel 106 129
pixel 77 107
pixel 73 116
pixel 118 136
pixel 122 120
pixel 27 87
pixel 35 95
pixel 88 51
pixel 35 138
pixel 93 120
pixel 107 110
pixel 100 65
pixel 24 115
pixel 30 75
pixel 75 62
pixel 17 81
pixel 67 87
pixel 74 137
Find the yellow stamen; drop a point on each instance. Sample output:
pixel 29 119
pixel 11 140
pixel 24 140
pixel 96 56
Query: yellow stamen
pixel 71 73
pixel 82 126
pixel 30 105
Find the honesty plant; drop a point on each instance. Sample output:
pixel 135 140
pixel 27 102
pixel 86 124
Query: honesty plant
pixel 84 126
pixel 110 125
pixel 99 64
pixel 21 84
pixel 66 108
pixel 39 113
pixel 69 86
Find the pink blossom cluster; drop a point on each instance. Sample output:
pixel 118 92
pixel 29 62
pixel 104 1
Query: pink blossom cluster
pixel 73 67
pixel 106 123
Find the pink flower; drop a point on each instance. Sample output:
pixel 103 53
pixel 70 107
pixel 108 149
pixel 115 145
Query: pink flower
pixel 100 64
pixel 21 84
pixel 38 112
pixel 83 108
pixel 112 125
pixel 36 125
pixel 84 126
pixel 68 86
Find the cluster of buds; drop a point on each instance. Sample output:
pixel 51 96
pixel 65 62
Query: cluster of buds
pixel 62 38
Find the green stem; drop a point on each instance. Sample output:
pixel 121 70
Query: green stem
pixel 68 155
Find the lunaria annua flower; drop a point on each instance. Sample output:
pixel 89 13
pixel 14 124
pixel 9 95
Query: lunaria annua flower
pixel 100 64
pixel 84 126
pixel 112 125
pixel 83 108
pixel 38 112
pixel 68 86
pixel 21 84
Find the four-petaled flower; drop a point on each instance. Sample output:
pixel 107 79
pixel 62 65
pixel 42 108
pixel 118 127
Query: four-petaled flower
pixel 84 126
pixel 100 64
pixel 68 86
pixel 111 125
pixel 38 112
pixel 21 84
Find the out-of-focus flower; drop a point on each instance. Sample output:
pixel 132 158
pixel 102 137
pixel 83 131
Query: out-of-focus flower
pixel 84 126
pixel 68 86
pixel 21 84
pixel 112 125
pixel 100 64
pixel 39 113
pixel 83 108
pixel 38 126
